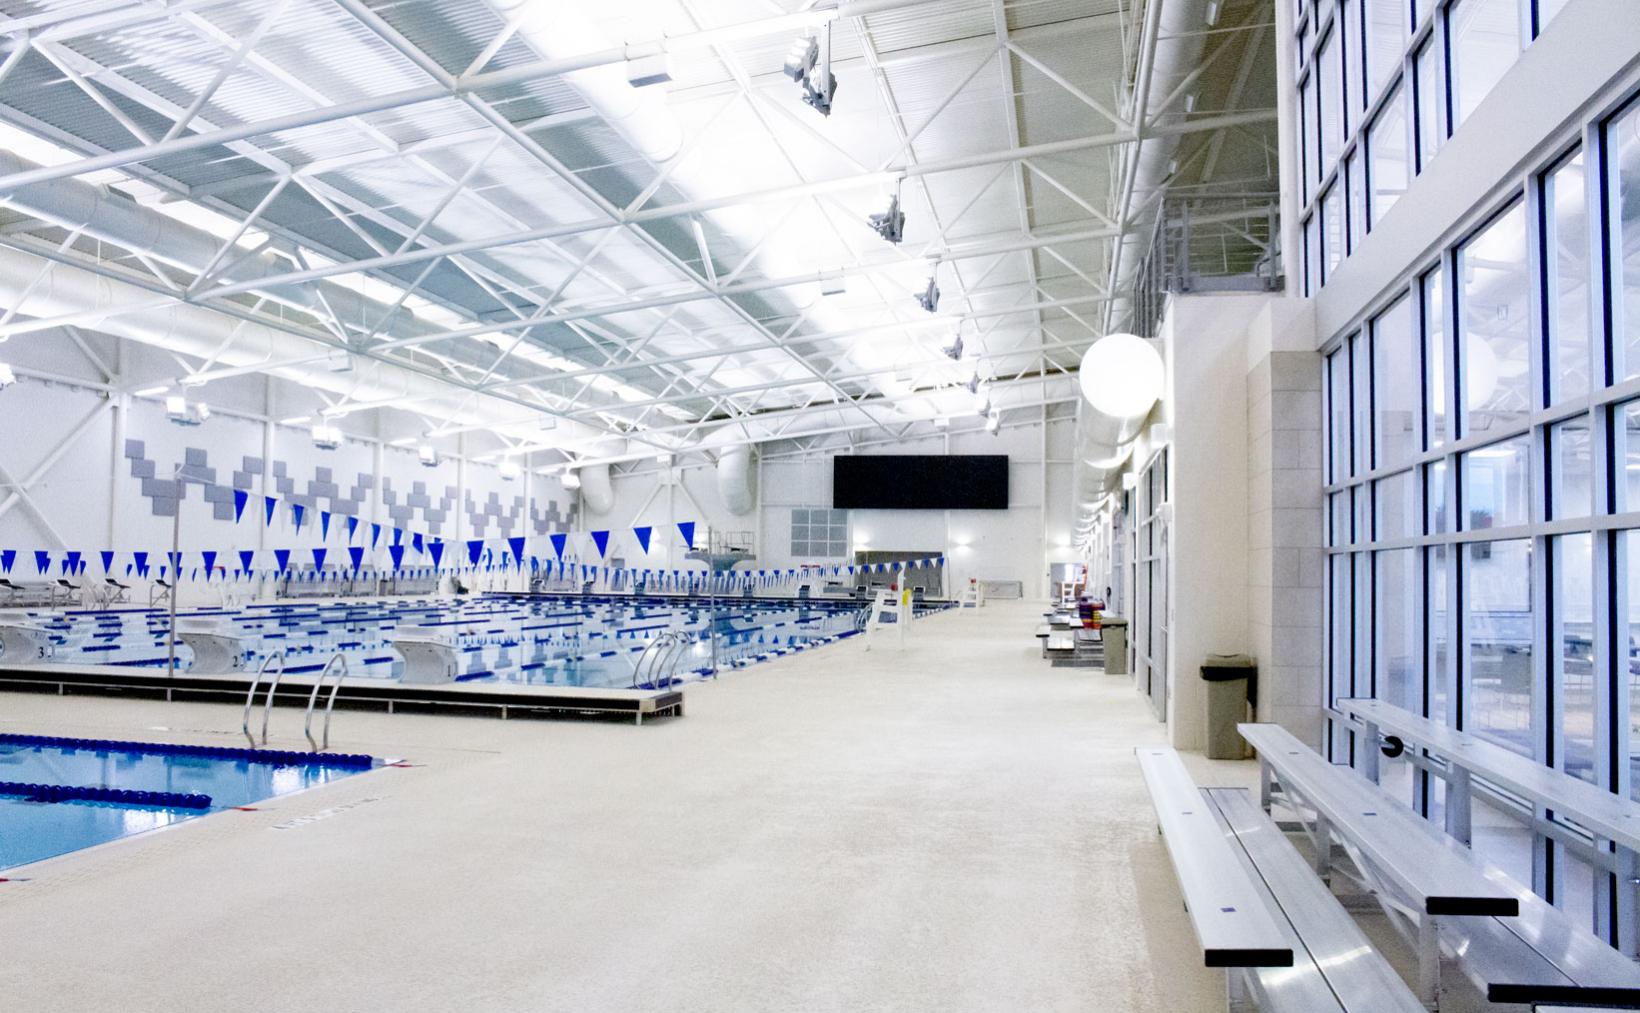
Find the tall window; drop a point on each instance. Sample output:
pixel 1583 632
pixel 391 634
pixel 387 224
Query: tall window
pixel 1391 161
pixel 1485 41
pixel 1497 388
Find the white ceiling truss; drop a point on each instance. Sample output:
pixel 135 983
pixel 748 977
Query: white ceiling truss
pixel 513 235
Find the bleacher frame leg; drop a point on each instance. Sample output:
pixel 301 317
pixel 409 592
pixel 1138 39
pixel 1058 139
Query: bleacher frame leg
pixel 1429 962
pixel 1237 996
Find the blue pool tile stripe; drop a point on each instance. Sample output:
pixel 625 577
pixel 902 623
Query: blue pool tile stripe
pixel 276 757
pixel 118 796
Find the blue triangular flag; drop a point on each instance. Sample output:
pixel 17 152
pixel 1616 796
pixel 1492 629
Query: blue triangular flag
pixel 436 548
pixel 415 540
pixel 71 562
pixel 7 557
pixel 352 527
pixel 601 540
pixel 324 525
pixel 282 558
pixel 268 505
pixel 319 560
pixel 687 530
pixel 475 546
pixel 357 553
pixel 139 558
pixel 240 498
pixel 210 563
pixel 42 559
pixel 558 541
pixel 107 559
pixel 643 537
pixel 397 552
pixel 246 558
pixel 517 546
pixel 375 534
pixel 297 512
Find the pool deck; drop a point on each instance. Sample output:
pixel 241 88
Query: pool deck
pixel 952 827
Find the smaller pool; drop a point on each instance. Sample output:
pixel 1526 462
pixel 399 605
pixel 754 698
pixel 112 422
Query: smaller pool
pixel 100 791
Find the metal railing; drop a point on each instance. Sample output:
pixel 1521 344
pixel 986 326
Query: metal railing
pixel 1218 243
pixel 338 664
pixel 250 698
pixel 660 655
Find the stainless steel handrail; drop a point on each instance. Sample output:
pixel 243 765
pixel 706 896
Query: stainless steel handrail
pixel 330 704
pixel 250 698
pixel 648 651
pixel 680 643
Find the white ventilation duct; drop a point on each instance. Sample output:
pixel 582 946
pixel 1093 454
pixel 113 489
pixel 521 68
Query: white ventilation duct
pixel 1122 378
pixel 597 491
pixel 737 486
pixel 1181 38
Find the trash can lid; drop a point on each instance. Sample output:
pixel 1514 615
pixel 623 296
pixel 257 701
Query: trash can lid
pixel 1113 621
pixel 1225 667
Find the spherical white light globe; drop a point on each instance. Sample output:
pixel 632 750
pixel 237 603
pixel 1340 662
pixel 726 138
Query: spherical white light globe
pixel 1122 376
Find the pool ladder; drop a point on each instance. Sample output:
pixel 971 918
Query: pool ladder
pixel 661 654
pixel 276 663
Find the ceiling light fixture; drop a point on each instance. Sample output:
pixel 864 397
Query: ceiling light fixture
pixel 428 455
pixel 929 299
pixel 185 413
pixel 326 437
pixel 953 351
pixel 890 224
pixel 508 470
pixel 808 63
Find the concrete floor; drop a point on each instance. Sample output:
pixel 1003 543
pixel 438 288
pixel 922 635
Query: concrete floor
pixel 957 826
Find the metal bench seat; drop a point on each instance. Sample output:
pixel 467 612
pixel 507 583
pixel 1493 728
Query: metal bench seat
pixel 1411 875
pixel 1335 965
pixel 1229 908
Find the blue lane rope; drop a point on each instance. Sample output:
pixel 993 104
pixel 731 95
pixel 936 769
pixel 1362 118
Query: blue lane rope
pixel 118 796
pixel 274 757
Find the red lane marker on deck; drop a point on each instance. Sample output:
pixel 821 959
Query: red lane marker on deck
pixel 401 763
pixel 245 808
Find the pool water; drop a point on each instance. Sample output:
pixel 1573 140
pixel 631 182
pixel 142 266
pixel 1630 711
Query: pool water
pixel 573 640
pixel 31 830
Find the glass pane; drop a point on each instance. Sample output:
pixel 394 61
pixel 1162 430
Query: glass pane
pixel 1571 474
pixel 1329 77
pixel 1485 38
pixel 1495 485
pixel 1396 386
pixel 1306 136
pixel 1436 351
pixel 1387 145
pixel 1338 512
pixel 1437 632
pixel 1439 522
pixel 1332 232
pixel 1497 385
pixel 1396 502
pixel 1499 579
pixel 1624 136
pixel 1575 586
pixel 1340 627
pixel 1357 217
pixel 1629 447
pixel 1398 652
pixel 1626 739
pixel 1386 38
pixel 1312 256
pixel 1338 417
pixel 1350 12
pixel 1361 426
pixel 1431 102
pixel 1567 262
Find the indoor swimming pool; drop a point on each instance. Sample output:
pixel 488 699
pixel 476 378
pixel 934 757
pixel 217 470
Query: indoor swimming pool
pixel 59 795
pixel 544 640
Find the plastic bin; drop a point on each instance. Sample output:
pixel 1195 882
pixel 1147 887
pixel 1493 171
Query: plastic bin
pixel 1114 633
pixel 1232 684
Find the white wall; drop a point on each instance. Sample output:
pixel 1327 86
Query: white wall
pixel 86 465
pixel 1015 544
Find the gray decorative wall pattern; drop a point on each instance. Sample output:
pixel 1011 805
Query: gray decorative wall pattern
pixel 419 508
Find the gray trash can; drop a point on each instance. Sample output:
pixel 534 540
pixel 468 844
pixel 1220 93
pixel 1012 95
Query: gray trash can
pixel 1114 633
pixel 1232 684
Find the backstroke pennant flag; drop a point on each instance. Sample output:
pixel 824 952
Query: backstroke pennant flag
pixel 209 559
pixel 516 544
pixel 319 560
pixel 42 560
pixel 107 560
pixel 436 548
pixel 352 527
pixel 7 557
pixel 687 530
pixel 240 498
pixel 601 540
pixel 356 552
pixel 246 558
pixel 397 552
pixel 475 548
pixel 324 525
pixel 643 537
pixel 281 557
pixel 297 512
pixel 269 503
pixel 558 540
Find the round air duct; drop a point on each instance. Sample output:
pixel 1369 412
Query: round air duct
pixel 736 484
